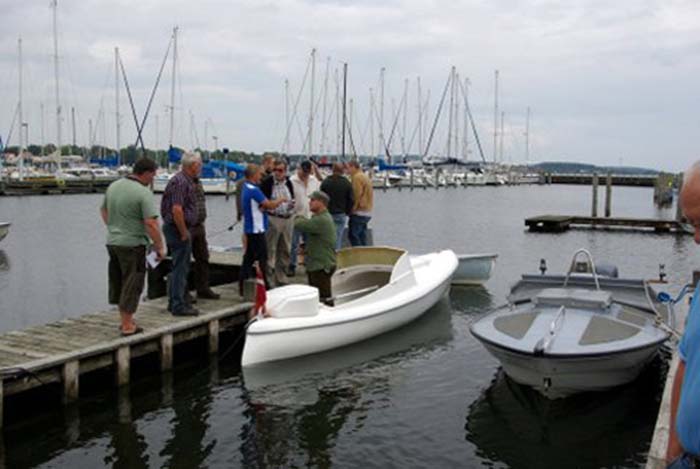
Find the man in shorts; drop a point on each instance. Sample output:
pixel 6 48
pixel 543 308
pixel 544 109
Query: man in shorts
pixel 131 218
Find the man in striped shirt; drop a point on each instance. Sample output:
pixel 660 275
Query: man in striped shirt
pixel 254 204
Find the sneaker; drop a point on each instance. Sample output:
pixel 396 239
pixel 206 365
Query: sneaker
pixel 188 311
pixel 208 295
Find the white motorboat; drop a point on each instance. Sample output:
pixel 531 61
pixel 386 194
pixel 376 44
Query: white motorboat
pixel 474 269
pixel 575 333
pixel 375 290
pixel 4 229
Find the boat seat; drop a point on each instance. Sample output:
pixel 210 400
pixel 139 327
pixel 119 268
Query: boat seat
pixel 573 298
pixel 602 330
pixel 515 325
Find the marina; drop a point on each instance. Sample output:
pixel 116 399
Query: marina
pixel 434 349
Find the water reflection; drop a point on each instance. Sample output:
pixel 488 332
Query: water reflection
pixel 516 425
pixel 298 408
pixel 470 299
pixel 4 261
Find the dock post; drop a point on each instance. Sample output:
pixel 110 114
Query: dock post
pixel 594 205
pixel 411 173
pixel 123 359
pixel 386 181
pixel 214 336
pixel 2 403
pixel 679 212
pixel 71 381
pixel 166 352
pixel 436 180
pixel 228 186
pixel 608 194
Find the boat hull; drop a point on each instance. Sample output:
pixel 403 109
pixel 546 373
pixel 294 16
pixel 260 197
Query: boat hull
pixel 558 377
pixel 4 229
pixel 474 269
pixel 274 345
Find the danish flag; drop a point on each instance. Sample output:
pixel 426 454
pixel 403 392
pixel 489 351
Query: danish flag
pixel 260 292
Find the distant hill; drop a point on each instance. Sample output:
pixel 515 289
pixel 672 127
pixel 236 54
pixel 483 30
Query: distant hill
pixel 565 167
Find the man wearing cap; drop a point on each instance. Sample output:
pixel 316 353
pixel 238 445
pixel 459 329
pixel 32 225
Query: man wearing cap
pixel 683 450
pixel 339 189
pixel 304 184
pixel 320 244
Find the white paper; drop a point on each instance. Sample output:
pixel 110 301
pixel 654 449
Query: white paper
pixel 152 260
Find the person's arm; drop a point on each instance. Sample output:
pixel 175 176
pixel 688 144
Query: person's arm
pixel 357 193
pixel 316 171
pixel 104 214
pixel 674 448
pixel 179 219
pixel 268 204
pixel 307 225
pixel 153 231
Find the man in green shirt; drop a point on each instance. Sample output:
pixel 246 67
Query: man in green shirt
pixel 320 244
pixel 131 218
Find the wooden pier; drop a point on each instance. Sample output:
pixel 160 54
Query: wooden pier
pixel 62 351
pixel 561 223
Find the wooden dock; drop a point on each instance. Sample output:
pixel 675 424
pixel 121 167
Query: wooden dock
pixel 62 351
pixel 561 223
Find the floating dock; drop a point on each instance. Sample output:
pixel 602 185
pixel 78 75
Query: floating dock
pixel 561 223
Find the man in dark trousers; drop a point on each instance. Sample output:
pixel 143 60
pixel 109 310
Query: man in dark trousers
pixel 320 244
pixel 131 218
pixel 200 247
pixel 178 208
pixel 254 205
pixel 339 190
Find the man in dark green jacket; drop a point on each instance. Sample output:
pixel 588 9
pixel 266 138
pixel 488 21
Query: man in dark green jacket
pixel 320 244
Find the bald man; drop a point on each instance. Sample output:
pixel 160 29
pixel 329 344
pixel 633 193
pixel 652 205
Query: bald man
pixel 684 440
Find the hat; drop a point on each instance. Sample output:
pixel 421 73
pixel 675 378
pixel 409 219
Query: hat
pixel 320 195
pixel 306 166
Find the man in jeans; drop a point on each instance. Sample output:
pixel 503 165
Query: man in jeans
pixel 362 206
pixel 178 208
pixel 254 204
pixel 339 191
pixel 280 224
pixel 131 218
pixel 683 451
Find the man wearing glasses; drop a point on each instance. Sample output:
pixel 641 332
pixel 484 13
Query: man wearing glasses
pixel 279 234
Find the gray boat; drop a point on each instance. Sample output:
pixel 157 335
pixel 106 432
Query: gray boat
pixel 584 331
pixel 4 229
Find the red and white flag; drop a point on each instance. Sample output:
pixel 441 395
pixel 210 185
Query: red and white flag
pixel 260 292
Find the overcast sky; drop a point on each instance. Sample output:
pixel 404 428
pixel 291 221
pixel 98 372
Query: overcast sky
pixel 607 82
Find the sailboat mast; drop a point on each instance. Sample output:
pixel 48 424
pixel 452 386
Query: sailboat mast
pixel 286 116
pixel 495 118
pixel 324 123
pixel 172 88
pixel 420 118
pixel 450 118
pixel 116 103
pixel 19 110
pixel 465 139
pixel 371 121
pixel 381 111
pixel 405 107
pixel 58 99
pixel 500 152
pixel 527 135
pixel 43 140
pixel 311 108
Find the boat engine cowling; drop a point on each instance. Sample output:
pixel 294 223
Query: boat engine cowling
pixel 292 301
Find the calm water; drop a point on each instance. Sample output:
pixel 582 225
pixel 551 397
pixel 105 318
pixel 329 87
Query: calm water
pixel 427 395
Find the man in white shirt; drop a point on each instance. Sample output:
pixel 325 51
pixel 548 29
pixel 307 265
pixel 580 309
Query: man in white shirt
pixel 305 183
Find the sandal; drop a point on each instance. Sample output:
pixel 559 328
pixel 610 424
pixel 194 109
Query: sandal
pixel 134 332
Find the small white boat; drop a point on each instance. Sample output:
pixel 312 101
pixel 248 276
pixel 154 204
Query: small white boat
pixel 580 332
pixel 4 229
pixel 474 269
pixel 375 290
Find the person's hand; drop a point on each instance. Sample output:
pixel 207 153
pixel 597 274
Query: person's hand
pixel 160 253
pixel 185 237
